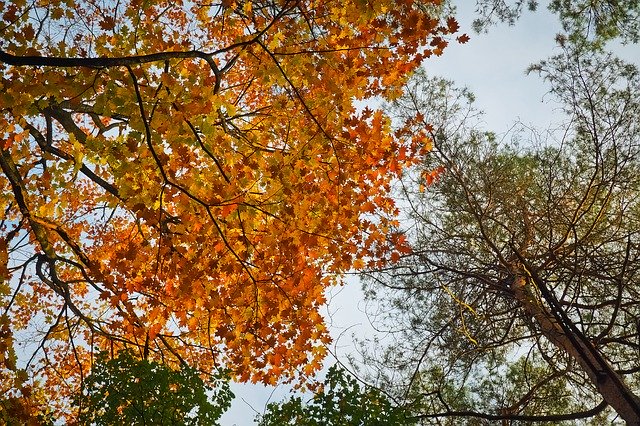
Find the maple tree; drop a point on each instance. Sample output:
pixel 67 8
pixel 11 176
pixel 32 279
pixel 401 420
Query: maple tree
pixel 186 178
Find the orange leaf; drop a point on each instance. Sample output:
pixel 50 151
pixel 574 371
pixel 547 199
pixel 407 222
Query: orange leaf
pixel 463 38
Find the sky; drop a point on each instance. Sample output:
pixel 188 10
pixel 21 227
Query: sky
pixel 493 66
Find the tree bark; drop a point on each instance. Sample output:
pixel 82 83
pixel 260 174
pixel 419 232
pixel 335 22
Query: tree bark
pixel 564 336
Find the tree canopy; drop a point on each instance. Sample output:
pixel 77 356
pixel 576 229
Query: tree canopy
pixel 584 21
pixel 184 179
pixel 520 299
pixel 340 402
pixel 125 390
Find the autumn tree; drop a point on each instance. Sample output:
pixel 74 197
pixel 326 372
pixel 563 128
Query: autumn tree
pixel 520 301
pixel 184 179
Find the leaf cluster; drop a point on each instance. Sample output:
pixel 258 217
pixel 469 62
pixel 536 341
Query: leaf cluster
pixel 127 390
pixel 341 401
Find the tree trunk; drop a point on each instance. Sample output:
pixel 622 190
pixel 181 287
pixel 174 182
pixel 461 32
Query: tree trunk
pixel 610 385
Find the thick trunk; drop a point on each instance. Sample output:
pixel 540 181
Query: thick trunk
pixel 610 385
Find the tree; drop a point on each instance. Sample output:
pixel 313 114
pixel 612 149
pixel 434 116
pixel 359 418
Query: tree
pixel 592 21
pixel 125 390
pixel 340 402
pixel 185 178
pixel 520 300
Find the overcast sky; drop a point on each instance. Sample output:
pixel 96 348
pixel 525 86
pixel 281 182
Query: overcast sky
pixel 493 67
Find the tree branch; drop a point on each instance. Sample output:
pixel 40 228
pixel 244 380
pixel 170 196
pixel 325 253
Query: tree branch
pixel 546 418
pixel 100 62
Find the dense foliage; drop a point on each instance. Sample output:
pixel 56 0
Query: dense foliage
pixel 125 390
pixel 186 178
pixel 341 402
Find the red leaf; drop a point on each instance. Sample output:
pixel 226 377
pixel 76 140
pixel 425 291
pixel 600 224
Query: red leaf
pixel 463 38
pixel 452 25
